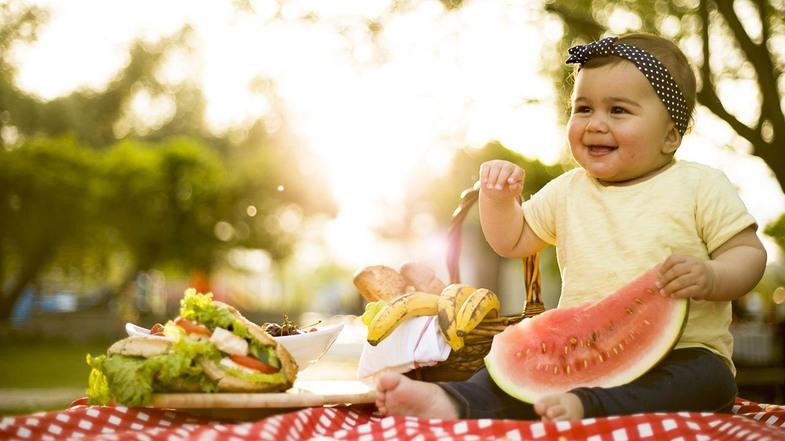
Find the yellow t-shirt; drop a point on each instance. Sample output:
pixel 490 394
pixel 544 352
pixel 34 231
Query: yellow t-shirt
pixel 606 236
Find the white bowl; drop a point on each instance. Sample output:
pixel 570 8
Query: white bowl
pixel 309 347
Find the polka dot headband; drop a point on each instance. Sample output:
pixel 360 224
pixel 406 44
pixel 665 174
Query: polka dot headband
pixel 654 71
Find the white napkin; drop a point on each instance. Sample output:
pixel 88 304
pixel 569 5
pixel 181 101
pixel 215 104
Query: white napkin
pixel 414 343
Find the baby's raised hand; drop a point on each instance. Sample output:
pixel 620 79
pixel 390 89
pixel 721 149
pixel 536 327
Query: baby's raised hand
pixel 501 178
pixel 686 276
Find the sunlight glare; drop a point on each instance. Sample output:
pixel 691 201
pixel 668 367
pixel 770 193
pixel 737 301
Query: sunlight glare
pixel 102 44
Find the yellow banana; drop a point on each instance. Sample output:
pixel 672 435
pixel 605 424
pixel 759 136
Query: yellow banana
pixel 480 304
pixel 409 305
pixel 450 301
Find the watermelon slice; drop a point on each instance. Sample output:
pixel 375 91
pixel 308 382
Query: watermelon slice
pixel 605 343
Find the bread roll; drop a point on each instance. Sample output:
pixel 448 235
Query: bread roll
pixel 422 277
pixel 138 346
pixel 380 282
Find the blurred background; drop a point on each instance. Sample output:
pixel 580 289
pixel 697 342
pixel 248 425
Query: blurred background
pixel 265 150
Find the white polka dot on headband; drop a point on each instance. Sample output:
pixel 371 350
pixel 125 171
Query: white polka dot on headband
pixel 654 71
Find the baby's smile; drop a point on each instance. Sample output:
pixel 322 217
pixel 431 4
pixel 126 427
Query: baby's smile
pixel 601 150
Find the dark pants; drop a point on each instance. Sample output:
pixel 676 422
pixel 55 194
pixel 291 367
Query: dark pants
pixel 691 379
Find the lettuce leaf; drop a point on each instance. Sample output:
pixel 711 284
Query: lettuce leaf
pixel 121 379
pixel 256 377
pixel 97 384
pixel 200 308
pixel 131 381
pixel 265 353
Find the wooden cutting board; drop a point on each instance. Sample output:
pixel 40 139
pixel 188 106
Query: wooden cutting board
pixel 303 394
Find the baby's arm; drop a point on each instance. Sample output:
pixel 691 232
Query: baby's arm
pixel 734 270
pixel 501 215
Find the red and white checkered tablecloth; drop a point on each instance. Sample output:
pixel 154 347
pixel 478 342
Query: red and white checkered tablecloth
pixel 750 421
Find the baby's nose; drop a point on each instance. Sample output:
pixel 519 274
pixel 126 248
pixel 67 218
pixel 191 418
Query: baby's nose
pixel 597 123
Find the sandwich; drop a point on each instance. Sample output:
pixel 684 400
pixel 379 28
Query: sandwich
pixel 209 347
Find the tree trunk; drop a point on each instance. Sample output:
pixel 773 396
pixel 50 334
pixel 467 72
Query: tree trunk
pixel 124 293
pixel 772 154
pixel 29 273
pixel 2 267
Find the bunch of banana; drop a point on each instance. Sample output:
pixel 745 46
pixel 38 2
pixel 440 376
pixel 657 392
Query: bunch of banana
pixel 480 304
pixel 459 309
pixel 413 304
pixel 450 302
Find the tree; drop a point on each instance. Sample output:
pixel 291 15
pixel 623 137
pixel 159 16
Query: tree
pixel 162 201
pixel 777 231
pixel 747 34
pixel 76 188
pixel 47 195
pixel 88 115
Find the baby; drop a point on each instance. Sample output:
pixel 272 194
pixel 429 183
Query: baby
pixel 628 207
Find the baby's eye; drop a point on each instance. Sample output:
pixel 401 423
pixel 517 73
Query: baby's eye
pixel 581 109
pixel 618 109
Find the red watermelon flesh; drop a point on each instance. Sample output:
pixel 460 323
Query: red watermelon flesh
pixel 605 343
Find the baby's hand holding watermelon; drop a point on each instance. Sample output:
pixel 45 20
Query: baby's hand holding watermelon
pixel 682 276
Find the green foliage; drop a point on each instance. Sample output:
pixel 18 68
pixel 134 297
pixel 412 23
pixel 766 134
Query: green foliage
pixel 47 190
pixel 62 204
pixel 18 24
pixel 138 204
pixel 45 181
pixel 92 116
pixel 88 195
pixel 777 231
pixel 163 200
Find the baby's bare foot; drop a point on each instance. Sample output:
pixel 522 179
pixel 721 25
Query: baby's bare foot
pixel 559 407
pixel 398 394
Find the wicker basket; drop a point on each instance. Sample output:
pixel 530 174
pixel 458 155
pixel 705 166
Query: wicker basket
pixel 460 365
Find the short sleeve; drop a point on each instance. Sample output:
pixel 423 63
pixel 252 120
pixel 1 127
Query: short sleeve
pixel 721 214
pixel 540 210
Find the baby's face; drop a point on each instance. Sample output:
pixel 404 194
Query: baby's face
pixel 619 130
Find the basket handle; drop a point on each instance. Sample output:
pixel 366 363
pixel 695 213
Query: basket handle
pixel 531 264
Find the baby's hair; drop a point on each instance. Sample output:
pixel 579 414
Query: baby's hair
pixel 666 52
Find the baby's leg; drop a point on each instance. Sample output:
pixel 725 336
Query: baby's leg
pixel 692 379
pixel 397 394
pixel 559 407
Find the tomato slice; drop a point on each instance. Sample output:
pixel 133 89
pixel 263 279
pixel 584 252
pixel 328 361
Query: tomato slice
pixel 157 329
pixel 192 327
pixel 253 363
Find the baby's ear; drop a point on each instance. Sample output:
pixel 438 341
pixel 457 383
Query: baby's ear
pixel 672 140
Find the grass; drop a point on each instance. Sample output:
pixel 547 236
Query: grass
pixel 50 368
pixel 46 363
